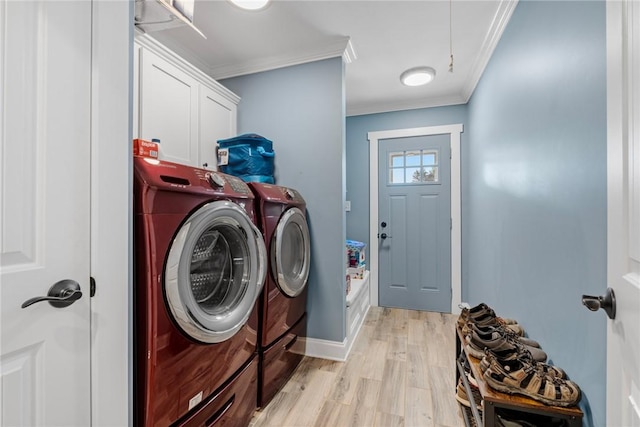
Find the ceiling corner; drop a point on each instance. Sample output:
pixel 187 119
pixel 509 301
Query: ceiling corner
pixel 498 25
pixel 338 47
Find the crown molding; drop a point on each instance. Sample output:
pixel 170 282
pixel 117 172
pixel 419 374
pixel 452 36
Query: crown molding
pixel 349 55
pixel 184 64
pixel 385 107
pixel 338 48
pixel 498 25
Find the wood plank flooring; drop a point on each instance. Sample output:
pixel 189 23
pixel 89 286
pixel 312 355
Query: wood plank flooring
pixel 401 372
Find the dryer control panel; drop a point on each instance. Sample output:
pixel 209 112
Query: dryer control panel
pixel 277 194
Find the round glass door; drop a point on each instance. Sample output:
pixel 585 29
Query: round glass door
pixel 215 271
pixel 290 252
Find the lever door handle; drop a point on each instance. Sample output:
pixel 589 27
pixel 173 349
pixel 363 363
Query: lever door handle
pixel 607 302
pixel 383 236
pixel 61 294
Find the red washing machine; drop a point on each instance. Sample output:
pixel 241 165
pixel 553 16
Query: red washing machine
pixel 200 267
pixel 283 222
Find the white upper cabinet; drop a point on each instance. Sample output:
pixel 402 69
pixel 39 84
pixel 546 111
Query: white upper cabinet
pixel 217 121
pixel 181 106
pixel 168 109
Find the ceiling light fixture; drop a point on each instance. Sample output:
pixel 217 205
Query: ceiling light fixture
pixel 418 76
pixel 250 4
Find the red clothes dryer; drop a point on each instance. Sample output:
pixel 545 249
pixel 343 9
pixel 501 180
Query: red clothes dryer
pixel 200 266
pixel 283 222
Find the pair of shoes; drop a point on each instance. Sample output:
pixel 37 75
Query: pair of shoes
pixel 518 377
pixel 483 315
pixel 476 345
pixel 504 356
pixel 492 332
pixel 461 395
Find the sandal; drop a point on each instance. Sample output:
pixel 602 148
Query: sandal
pixel 507 356
pixel 516 377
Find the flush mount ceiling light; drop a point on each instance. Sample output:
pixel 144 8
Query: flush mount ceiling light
pixel 418 76
pixel 250 4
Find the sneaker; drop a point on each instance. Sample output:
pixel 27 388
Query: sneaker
pixel 476 345
pixel 461 396
pixel 516 377
pixel 498 331
pixel 483 315
pixel 506 356
pixel 481 310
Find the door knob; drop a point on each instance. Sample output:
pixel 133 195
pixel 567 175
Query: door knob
pixel 61 294
pixel 607 302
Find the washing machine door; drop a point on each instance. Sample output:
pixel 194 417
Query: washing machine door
pixel 290 252
pixel 214 272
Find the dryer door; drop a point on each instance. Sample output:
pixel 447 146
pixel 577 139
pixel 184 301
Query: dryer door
pixel 290 252
pixel 214 272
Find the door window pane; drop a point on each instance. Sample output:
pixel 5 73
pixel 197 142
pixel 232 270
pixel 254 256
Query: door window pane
pixel 412 175
pixel 396 159
pixel 396 176
pixel 413 167
pixel 430 174
pixel 430 158
pixel 413 158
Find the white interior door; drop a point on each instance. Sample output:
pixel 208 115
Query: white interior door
pixel 623 141
pixel 44 204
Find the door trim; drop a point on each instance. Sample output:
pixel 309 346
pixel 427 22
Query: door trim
pixel 454 131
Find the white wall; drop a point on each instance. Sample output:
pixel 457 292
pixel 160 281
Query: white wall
pixel 111 213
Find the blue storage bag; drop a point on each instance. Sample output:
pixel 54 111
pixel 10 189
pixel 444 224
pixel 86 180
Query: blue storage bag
pixel 250 157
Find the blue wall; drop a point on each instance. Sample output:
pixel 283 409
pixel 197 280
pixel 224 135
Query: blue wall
pixel 533 183
pixel 302 110
pixel 536 195
pixel 358 155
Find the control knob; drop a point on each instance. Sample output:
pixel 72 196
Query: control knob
pixel 290 195
pixel 215 180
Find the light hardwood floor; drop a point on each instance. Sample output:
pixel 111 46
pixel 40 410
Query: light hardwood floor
pixel 401 372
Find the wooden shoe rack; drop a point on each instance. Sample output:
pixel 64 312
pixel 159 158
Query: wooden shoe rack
pixel 494 401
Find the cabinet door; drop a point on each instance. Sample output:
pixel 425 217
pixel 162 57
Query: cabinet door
pixel 217 121
pixel 168 108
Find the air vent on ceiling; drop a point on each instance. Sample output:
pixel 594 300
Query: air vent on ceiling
pixel 156 15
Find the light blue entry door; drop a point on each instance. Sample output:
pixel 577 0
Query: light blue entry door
pixel 414 229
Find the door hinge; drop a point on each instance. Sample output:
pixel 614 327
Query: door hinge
pixel 92 286
pixel 450 223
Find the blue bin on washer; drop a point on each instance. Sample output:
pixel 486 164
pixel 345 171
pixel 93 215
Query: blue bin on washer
pixel 249 157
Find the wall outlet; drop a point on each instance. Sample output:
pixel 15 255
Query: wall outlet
pixel 347 205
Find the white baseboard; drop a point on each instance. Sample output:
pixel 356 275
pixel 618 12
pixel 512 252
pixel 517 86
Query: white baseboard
pixel 325 349
pixel 332 350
